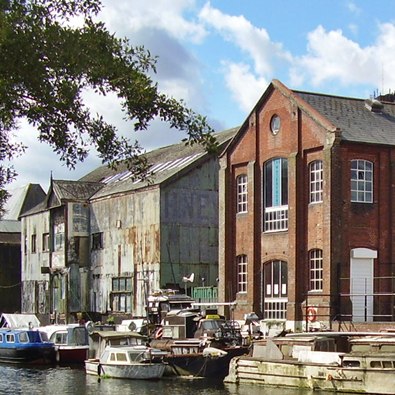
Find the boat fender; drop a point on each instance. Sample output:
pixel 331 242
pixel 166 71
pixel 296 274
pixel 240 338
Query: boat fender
pixel 329 377
pixel 159 333
pixel 90 327
pixel 212 352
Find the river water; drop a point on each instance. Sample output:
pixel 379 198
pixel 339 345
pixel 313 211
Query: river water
pixel 66 380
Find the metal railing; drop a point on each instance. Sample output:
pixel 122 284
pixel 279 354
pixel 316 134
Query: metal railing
pixel 375 304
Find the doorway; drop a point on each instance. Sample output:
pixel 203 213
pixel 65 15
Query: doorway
pixel 361 284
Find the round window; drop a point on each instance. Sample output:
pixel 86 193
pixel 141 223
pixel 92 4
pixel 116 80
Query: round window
pixel 275 124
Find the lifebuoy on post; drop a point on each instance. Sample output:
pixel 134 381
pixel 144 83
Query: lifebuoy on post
pixel 311 314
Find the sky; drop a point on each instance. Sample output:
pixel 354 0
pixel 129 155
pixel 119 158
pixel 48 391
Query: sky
pixel 219 56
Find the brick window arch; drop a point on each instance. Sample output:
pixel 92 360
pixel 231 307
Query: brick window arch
pixel 275 186
pixel 316 181
pixel 241 273
pixel 316 270
pixel 275 289
pixel 242 193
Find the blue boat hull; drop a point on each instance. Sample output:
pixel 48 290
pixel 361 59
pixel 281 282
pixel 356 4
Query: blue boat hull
pixel 25 347
pixel 29 355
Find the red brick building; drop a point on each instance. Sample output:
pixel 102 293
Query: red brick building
pixel 307 210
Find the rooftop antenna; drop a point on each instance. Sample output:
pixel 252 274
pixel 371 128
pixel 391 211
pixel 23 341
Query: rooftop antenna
pixel 382 78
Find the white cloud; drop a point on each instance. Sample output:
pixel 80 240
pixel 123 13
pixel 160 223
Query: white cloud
pixel 245 87
pixel 353 7
pixel 333 57
pixel 253 41
pixel 126 16
pixel 246 83
pixel 354 29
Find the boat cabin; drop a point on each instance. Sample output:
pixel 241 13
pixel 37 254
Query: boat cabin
pixel 288 347
pixel 126 355
pixel 99 340
pixel 70 334
pixel 163 302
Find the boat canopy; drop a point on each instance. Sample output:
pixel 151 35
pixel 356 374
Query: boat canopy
pixel 8 320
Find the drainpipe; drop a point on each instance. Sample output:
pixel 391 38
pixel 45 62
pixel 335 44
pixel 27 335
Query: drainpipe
pixel 66 238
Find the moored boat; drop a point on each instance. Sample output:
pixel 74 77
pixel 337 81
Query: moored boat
pixel 71 342
pixel 128 362
pixel 340 362
pixel 198 344
pixel 100 339
pixel 25 346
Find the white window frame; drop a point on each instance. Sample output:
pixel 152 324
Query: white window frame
pixel 316 181
pixel 242 193
pixel 361 181
pixel 241 273
pixel 316 270
pixel 275 208
pixel 276 291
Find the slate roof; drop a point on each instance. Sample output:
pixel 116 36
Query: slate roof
pixel 21 200
pixel 10 226
pixel 74 190
pixel 66 190
pixel 165 163
pixel 356 122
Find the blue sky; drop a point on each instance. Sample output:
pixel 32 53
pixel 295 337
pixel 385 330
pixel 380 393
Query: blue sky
pixel 220 55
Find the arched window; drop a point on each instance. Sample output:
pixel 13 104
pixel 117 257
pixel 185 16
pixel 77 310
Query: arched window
pixel 242 273
pixel 242 193
pixel 361 181
pixel 316 270
pixel 275 282
pixel 276 195
pixel 316 181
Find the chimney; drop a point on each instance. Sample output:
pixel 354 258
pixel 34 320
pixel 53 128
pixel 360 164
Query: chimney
pixel 387 98
pixel 374 105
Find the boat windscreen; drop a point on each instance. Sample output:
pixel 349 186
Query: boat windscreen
pixel 34 337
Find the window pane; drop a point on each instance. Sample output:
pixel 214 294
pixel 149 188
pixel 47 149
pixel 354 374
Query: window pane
pixel 316 270
pixel 316 183
pixel 361 181
pixel 242 196
pixel 275 195
pixel 275 290
pixel 241 273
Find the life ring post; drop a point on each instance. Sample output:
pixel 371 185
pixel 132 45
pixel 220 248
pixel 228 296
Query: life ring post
pixel 311 313
pixel 159 333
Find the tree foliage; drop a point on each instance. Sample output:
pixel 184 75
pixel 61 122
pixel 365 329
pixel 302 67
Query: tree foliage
pixel 46 65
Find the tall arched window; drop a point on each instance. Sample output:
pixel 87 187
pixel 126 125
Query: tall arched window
pixel 275 283
pixel 276 195
pixel 316 270
pixel 242 273
pixel 316 181
pixel 361 181
pixel 242 193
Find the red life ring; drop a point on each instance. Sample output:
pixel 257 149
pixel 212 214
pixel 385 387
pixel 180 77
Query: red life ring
pixel 159 333
pixel 311 314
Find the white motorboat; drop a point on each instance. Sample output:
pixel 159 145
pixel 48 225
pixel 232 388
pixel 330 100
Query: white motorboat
pixel 128 362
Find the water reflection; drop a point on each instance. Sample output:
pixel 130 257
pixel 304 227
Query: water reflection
pixel 59 381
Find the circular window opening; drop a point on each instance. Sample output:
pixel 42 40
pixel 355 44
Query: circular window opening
pixel 275 124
